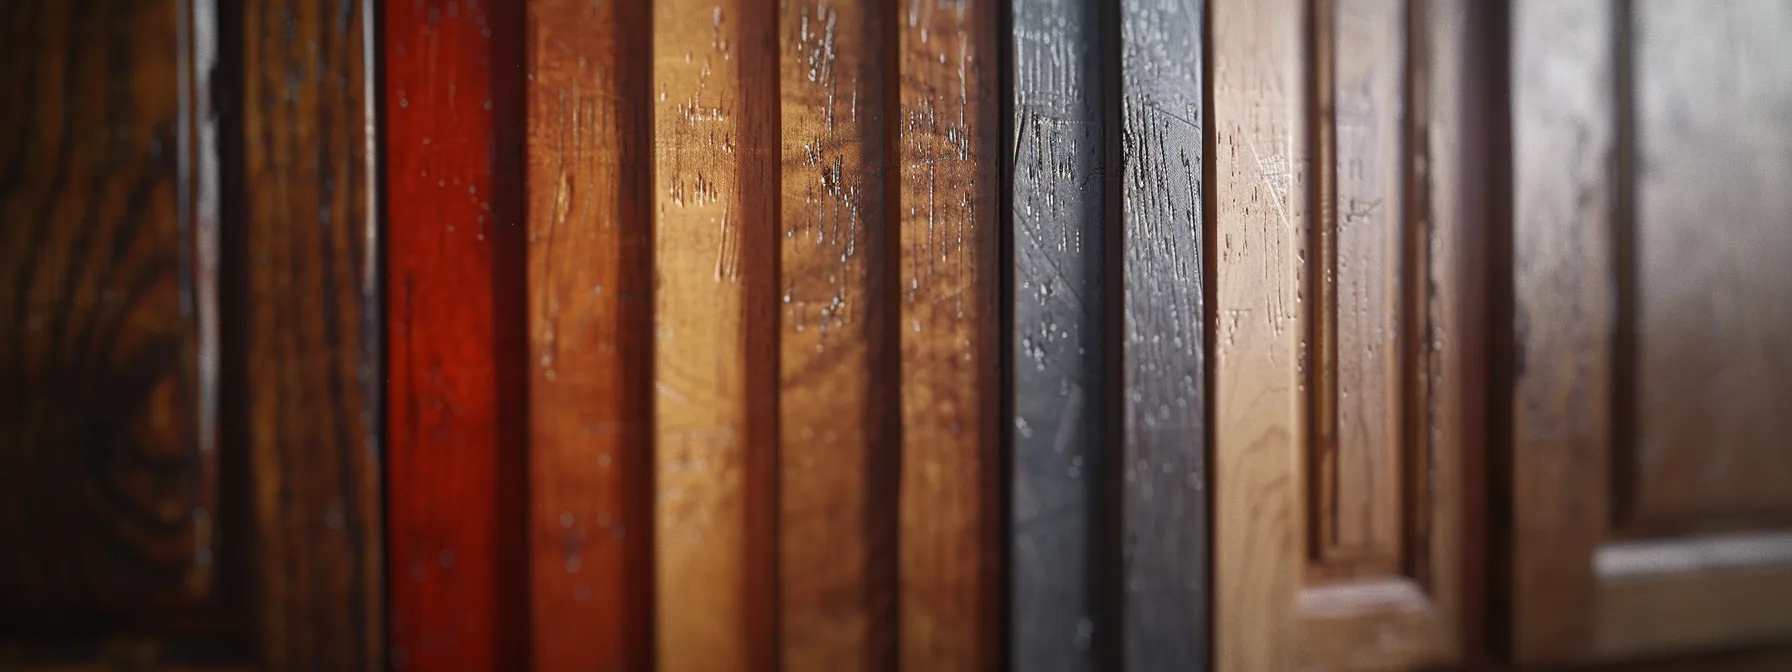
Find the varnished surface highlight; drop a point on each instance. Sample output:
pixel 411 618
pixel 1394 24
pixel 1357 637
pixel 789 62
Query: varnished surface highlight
pixel 589 332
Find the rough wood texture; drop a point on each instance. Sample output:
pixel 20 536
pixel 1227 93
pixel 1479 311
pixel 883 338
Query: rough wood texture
pixel 1060 196
pixel 950 187
pixel 1260 198
pixel 1357 278
pixel 1164 465
pixel 715 327
pixel 307 310
pixel 837 415
pixel 1562 105
pixel 1711 323
pixel 454 452
pixel 589 365
pixel 106 497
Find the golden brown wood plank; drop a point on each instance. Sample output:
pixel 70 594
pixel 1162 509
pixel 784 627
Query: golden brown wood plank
pixel 1708 315
pixel 309 322
pixel 837 422
pixel 1357 282
pixel 1562 106
pixel 589 304
pixel 1260 197
pixel 951 475
pixel 106 492
pixel 715 329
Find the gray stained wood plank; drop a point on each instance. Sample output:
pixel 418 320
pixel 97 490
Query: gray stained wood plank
pixel 1163 493
pixel 1059 206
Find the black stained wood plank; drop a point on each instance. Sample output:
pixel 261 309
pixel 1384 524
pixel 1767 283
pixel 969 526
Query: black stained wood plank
pixel 1163 475
pixel 1059 205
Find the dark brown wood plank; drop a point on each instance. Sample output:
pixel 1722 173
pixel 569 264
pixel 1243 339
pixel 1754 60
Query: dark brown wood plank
pixel 715 361
pixel 1164 467
pixel 454 453
pixel 950 187
pixel 837 419
pixel 302 268
pixel 1058 471
pixel 107 493
pixel 589 296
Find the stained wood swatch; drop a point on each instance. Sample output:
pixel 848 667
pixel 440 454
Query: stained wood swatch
pixel 454 450
pixel 1056 349
pixel 950 186
pixel 715 329
pixel 837 339
pixel 589 331
pixel 307 316
pixel 1164 465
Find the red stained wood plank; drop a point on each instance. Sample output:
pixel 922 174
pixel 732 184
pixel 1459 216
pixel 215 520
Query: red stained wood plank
pixel 455 443
pixel 590 534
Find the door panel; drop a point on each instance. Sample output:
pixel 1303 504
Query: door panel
pixel 1648 464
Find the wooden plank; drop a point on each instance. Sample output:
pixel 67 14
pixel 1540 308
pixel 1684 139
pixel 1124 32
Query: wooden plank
pixel 950 187
pixel 1260 200
pixel 1563 139
pixel 1060 199
pixel 715 328
pixel 308 306
pixel 1164 462
pixel 454 452
pixel 837 421
pixel 589 365
pixel 107 493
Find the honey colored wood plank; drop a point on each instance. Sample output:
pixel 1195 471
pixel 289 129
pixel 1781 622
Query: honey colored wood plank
pixel 1360 360
pixel 1058 548
pixel 1711 328
pixel 1163 467
pixel 1260 200
pixel 1563 139
pixel 589 362
pixel 308 327
pixel 837 414
pixel 454 453
pixel 107 476
pixel 950 186
pixel 715 327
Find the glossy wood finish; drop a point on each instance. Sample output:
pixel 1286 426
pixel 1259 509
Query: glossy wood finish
pixel 715 332
pixel 838 425
pixel 107 496
pixel 1260 201
pixel 1164 477
pixel 307 322
pixel 589 364
pixel 1646 204
pixel 455 448
pixel 950 187
pixel 1060 200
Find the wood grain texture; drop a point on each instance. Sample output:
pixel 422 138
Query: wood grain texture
pixel 106 496
pixel 715 332
pixel 1260 200
pixel 1711 326
pixel 950 185
pixel 307 319
pixel 1563 142
pixel 1358 393
pixel 837 450
pixel 1060 199
pixel 1164 463
pixel 454 452
pixel 589 364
